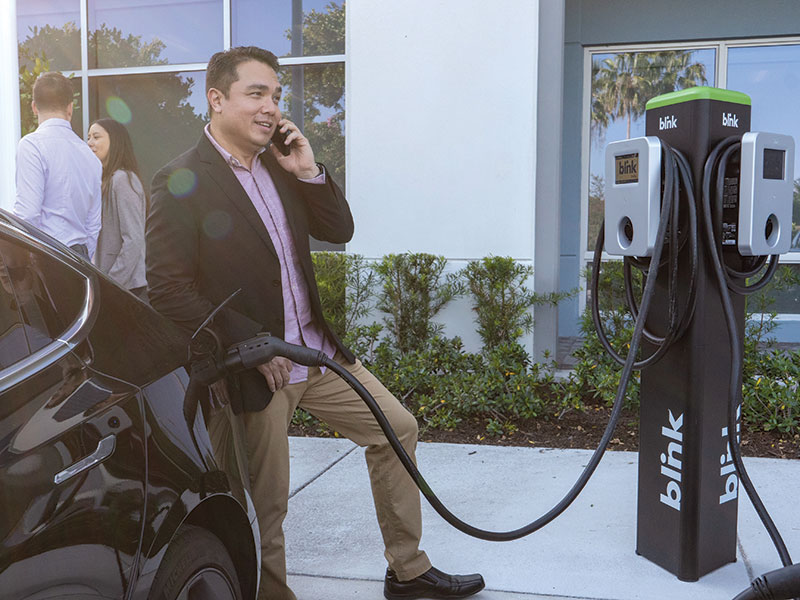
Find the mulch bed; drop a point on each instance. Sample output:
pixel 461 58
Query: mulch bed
pixel 577 429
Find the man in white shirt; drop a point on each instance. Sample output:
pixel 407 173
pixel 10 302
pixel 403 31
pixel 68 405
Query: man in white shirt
pixel 58 176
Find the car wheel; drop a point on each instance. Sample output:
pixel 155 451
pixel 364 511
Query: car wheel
pixel 197 566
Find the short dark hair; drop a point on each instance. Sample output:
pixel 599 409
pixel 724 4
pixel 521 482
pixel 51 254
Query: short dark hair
pixel 52 91
pixel 222 68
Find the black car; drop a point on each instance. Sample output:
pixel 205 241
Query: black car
pixel 113 484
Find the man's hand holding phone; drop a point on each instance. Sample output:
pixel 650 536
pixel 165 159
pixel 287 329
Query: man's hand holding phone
pixel 293 151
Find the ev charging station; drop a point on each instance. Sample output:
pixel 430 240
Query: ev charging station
pixel 688 486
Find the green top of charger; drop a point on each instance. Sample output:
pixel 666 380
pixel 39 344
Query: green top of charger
pixel 698 93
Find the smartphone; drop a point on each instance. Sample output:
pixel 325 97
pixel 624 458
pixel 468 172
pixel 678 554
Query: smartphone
pixel 279 139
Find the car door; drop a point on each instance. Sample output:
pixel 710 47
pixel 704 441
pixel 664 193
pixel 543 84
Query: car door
pixel 72 455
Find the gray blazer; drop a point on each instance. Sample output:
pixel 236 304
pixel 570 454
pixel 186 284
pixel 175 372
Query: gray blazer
pixel 120 246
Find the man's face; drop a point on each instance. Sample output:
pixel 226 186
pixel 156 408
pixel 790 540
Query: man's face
pixel 250 114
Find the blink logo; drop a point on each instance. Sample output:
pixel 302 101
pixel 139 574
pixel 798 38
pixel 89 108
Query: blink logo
pixel 671 461
pixel 670 122
pixel 730 490
pixel 730 120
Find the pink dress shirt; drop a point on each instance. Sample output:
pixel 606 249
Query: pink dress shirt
pixel 299 325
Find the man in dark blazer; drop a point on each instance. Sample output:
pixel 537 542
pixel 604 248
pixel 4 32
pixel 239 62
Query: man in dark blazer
pixel 235 213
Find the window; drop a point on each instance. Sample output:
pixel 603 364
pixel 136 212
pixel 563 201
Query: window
pixel 145 65
pixel 290 27
pixel 621 85
pixel 138 33
pixel 770 75
pixel 49 29
pixel 766 70
pixel 164 112
pixel 39 299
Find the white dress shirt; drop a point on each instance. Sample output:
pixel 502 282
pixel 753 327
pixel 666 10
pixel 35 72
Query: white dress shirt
pixel 58 184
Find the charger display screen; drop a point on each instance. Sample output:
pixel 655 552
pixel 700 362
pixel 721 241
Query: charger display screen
pixel 626 168
pixel 774 163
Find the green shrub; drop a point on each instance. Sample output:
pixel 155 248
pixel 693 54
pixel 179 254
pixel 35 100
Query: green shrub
pixel 414 290
pixel 502 300
pixel 770 377
pixel 596 374
pixel 346 285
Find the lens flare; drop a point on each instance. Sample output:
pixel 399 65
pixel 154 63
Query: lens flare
pixel 118 110
pixel 181 182
pixel 217 224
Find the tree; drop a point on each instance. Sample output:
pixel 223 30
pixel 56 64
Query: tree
pixel 323 87
pixel 154 107
pixel 622 84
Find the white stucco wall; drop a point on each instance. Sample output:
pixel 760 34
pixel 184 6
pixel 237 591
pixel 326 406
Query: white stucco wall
pixel 441 131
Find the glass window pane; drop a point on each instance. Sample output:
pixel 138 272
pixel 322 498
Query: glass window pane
pixel 164 112
pixel 132 33
pixel 314 99
pixel 770 75
pixel 622 83
pixel 276 26
pixel 49 30
pixel 787 296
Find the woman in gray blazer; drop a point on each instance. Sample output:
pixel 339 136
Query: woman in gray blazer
pixel 120 246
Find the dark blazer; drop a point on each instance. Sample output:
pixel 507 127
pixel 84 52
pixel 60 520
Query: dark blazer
pixel 205 240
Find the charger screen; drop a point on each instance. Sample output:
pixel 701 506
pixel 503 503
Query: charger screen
pixel 627 168
pixel 774 163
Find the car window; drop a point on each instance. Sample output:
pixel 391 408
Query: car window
pixel 39 298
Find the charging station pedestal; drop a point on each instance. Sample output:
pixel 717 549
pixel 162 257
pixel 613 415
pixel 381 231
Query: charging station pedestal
pixel 688 487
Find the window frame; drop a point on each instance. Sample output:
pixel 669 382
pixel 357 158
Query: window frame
pixel 75 332
pixel 85 73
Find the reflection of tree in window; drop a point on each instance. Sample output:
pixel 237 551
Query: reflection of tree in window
pixel 46 49
pixel 13 342
pixel 155 109
pixel 319 88
pixel 47 294
pixel 622 84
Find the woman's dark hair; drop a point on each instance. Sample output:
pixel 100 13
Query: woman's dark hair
pixel 120 156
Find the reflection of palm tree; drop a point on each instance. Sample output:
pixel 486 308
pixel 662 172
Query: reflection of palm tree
pixel 622 84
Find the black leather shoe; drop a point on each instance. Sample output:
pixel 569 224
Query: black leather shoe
pixel 432 584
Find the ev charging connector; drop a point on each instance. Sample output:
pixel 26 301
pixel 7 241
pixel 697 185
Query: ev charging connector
pixel 633 196
pixel 766 180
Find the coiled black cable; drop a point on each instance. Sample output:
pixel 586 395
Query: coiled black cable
pixel 728 149
pixel 588 471
pixel 711 164
pixel 677 176
pixel 686 233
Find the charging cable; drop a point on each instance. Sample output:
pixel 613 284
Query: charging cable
pixel 782 584
pixel 677 177
pixel 253 352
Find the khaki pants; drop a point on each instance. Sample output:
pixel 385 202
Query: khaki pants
pixel 329 398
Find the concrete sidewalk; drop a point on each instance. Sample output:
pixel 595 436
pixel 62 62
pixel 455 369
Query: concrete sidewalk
pixel 335 552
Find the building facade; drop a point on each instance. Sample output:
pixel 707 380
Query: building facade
pixel 472 128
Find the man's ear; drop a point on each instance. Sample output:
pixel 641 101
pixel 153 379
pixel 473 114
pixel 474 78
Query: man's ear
pixel 215 97
pixel 34 109
pixel 70 108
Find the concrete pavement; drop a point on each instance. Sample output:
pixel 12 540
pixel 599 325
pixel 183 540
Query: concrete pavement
pixel 335 552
